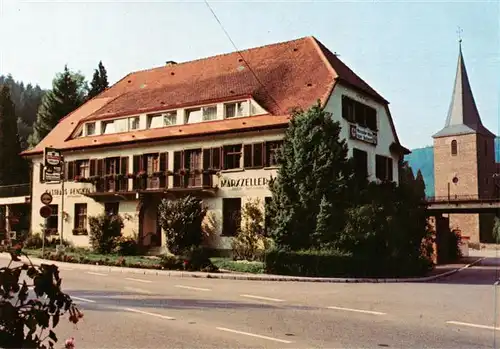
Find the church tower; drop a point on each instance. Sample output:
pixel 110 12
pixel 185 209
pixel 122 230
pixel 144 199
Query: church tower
pixel 464 158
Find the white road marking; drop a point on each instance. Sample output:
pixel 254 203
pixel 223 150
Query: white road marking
pixel 254 335
pixel 358 310
pixel 473 325
pixel 139 280
pixel 150 314
pixel 66 269
pixel 83 299
pixel 138 290
pixel 263 298
pixel 193 288
pixel 99 274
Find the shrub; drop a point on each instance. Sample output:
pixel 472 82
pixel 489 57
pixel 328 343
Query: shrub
pixel 34 241
pixel 250 242
pixel 336 263
pixel 197 259
pixel 104 230
pixel 25 319
pixel 171 262
pixel 182 222
pixel 126 246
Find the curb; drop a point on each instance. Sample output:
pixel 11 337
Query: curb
pixel 235 276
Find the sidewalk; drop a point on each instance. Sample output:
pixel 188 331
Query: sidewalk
pixel 439 272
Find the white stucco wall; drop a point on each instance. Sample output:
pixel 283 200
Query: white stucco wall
pixel 385 136
pixel 251 187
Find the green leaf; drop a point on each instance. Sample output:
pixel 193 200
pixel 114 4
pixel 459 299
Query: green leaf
pixel 52 336
pixel 55 319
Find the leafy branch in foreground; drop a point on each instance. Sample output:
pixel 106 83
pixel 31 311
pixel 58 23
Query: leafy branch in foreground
pixel 31 304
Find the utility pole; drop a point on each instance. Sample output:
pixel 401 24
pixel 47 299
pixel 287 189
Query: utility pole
pixel 63 177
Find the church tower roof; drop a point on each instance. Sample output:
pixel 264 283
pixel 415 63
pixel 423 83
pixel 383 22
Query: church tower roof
pixel 463 116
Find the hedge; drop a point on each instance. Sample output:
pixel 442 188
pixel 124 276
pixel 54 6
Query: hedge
pixel 334 263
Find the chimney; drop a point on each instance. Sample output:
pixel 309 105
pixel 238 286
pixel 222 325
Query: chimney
pixel 171 63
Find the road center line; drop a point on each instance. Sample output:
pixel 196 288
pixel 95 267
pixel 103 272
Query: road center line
pixel 150 314
pixel 139 280
pixel 138 290
pixel 473 325
pixel 254 335
pixel 92 273
pixel 83 299
pixel 358 310
pixel 193 288
pixel 263 298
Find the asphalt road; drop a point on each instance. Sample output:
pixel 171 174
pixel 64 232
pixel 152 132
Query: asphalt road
pixel 147 311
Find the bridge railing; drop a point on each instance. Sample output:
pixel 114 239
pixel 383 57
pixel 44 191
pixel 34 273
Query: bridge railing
pixel 462 198
pixel 7 191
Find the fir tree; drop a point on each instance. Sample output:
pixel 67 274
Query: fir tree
pixel 99 81
pixel 313 165
pixel 420 185
pixel 67 94
pixel 13 168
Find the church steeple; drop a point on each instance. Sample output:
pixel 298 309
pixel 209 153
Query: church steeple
pixel 463 116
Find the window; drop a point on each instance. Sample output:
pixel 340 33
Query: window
pixel 82 168
pixel 359 113
pixel 253 155
pixel 209 113
pixel 79 133
pixel 272 149
pixel 383 168
pixel 360 163
pixel 81 216
pixel 232 156
pixel 152 163
pixel 112 166
pixel 231 216
pixel 53 220
pixel 111 208
pixel 90 128
pixel 121 125
pixel 155 121
pixel 454 147
pixel 193 116
pixel 133 123
pixel 232 110
pixel 108 127
pixel 170 118
pixel 211 158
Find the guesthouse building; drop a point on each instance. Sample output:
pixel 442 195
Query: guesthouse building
pixel 209 128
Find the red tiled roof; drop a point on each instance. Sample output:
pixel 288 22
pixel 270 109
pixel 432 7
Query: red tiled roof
pixel 280 77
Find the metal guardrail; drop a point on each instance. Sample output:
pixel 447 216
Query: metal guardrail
pixel 7 191
pixel 461 198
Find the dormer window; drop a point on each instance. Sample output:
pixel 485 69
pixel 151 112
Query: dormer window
pixel 162 120
pixel 133 123
pixel 108 127
pixel 232 110
pixel 209 113
pixel 90 129
pixel 170 118
pixel 193 116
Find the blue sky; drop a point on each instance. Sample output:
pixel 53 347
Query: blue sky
pixel 406 50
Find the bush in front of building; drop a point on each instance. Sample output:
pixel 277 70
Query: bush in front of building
pixel 250 242
pixel 311 263
pixel 314 168
pixel 126 246
pixel 104 229
pixel 182 222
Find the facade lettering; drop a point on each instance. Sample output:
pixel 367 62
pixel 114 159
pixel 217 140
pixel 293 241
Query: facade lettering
pixel 246 182
pixel 72 191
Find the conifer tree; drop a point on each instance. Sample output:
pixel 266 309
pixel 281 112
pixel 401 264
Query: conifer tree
pixel 13 168
pixel 67 94
pixel 313 167
pixel 99 81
